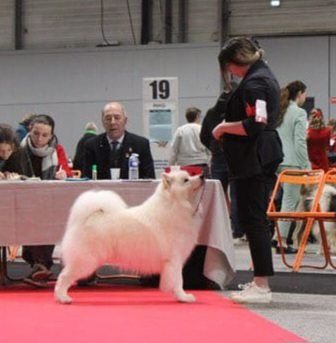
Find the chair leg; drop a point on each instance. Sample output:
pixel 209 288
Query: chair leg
pixel 302 248
pixel 281 247
pixel 325 244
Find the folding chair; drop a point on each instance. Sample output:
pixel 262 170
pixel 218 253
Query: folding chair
pixel 313 178
pixel 323 216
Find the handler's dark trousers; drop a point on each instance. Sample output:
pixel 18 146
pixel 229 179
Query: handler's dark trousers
pixel 252 196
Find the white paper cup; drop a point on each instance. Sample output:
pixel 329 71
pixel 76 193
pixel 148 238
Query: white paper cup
pixel 115 173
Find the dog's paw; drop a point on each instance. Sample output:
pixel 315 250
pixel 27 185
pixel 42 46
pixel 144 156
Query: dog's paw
pixel 186 298
pixel 63 299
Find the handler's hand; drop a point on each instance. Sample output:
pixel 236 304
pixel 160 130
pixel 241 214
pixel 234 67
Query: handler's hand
pixel 217 132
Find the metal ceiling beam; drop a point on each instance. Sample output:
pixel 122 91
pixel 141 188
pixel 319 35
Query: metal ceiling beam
pixel 224 16
pixel 146 21
pixel 183 21
pixel 18 24
pixel 168 21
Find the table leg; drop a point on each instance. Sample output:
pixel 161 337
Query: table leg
pixel 3 266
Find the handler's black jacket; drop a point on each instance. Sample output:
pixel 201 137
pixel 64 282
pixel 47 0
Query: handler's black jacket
pixel 260 152
pixel 213 117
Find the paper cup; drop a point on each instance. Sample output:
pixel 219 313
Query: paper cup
pixel 115 173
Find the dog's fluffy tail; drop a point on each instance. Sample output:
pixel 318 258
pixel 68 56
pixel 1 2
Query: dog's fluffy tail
pixel 94 202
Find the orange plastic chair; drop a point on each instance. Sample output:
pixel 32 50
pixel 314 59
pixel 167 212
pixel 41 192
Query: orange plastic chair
pixel 323 216
pixel 313 178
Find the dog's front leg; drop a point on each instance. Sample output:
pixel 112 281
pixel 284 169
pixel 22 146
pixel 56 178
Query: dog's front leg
pixel 171 281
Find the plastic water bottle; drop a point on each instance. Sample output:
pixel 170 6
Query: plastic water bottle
pixel 94 172
pixel 133 167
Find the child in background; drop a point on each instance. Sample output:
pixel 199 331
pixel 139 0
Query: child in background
pixel 8 145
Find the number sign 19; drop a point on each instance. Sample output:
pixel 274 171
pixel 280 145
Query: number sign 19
pixel 160 89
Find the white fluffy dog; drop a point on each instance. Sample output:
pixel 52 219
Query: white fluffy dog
pixel 155 237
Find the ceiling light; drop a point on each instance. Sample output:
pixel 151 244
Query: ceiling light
pixel 275 3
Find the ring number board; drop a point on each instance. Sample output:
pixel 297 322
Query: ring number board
pixel 160 105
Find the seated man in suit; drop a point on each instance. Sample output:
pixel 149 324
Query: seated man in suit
pixel 113 148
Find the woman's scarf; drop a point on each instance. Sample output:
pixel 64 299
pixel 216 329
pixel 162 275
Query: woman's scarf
pixel 48 154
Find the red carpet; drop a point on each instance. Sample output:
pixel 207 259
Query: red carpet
pixel 114 314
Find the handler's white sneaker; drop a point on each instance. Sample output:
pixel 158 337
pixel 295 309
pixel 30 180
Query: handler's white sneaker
pixel 252 294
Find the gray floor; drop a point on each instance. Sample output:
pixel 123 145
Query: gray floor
pixel 310 316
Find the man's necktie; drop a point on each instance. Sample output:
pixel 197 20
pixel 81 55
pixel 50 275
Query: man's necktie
pixel 114 146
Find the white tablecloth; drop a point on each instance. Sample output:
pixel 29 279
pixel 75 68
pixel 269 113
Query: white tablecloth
pixel 35 212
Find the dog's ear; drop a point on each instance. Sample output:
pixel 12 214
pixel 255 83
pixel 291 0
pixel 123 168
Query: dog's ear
pixel 166 180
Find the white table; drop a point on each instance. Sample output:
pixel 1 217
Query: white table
pixel 35 212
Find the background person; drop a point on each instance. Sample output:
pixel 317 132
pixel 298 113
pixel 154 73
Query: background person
pixel 90 130
pixel 332 144
pixel 113 148
pixel 292 129
pixel 253 151
pixel 24 126
pixel 218 166
pixel 42 156
pixel 186 147
pixel 8 147
pixel 318 140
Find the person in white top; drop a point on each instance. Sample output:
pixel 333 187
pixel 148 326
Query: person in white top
pixel 186 146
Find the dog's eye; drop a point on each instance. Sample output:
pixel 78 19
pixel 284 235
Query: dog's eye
pixel 185 180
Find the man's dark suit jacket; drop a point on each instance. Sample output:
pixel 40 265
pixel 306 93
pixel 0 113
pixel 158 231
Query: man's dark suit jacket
pixel 98 152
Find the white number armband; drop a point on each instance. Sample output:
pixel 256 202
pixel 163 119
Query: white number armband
pixel 261 111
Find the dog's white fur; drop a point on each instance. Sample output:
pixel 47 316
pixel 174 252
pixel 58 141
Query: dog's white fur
pixel 307 195
pixel 155 237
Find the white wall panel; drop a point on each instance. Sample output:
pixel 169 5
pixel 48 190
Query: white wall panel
pixel 74 85
pixel 301 58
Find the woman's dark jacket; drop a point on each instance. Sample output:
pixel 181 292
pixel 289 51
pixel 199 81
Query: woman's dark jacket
pixel 260 152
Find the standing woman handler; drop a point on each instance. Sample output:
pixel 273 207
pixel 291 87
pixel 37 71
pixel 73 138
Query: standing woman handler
pixel 253 151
